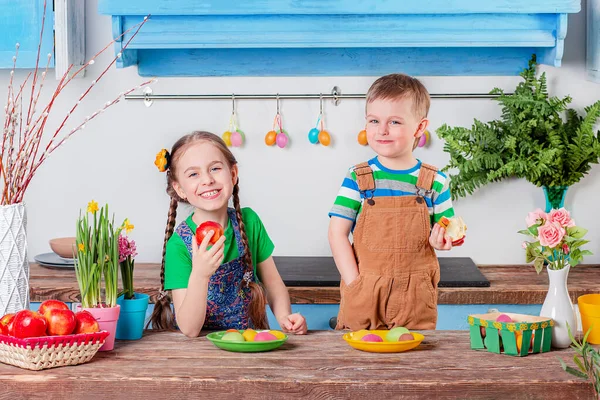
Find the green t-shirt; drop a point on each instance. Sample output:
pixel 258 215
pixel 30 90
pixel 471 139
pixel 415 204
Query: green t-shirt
pixel 178 261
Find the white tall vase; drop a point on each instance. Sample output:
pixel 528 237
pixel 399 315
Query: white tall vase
pixel 14 266
pixel 559 307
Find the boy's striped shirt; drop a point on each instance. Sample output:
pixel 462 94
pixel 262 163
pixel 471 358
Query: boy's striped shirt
pixel 348 202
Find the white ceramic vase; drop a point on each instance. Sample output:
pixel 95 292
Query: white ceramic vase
pixel 559 307
pixel 14 266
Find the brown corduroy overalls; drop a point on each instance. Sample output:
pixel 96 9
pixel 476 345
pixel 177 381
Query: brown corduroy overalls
pixel 398 268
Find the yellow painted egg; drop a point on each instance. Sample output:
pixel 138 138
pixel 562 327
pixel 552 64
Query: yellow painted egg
pixel 278 334
pixel 227 138
pixel 249 335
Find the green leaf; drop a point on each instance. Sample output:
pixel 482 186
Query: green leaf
pixel 530 254
pixel 538 264
pixel 577 361
pixel 525 232
pixel 576 232
pixel 533 230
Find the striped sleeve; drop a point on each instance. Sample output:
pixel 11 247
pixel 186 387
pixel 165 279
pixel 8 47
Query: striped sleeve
pixel 442 200
pixel 347 203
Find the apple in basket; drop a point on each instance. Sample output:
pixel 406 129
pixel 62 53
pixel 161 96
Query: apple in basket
pixel 29 323
pixel 60 319
pixel 60 322
pixel 85 323
pixel 48 305
pixel 6 324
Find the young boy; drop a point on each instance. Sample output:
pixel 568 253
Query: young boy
pixel 390 273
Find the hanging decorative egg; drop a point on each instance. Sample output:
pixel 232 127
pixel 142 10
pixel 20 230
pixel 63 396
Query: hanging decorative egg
pixel 227 138
pixel 237 138
pixel 424 139
pixel 270 138
pixel 282 138
pixel 313 136
pixel 362 137
pixel 324 138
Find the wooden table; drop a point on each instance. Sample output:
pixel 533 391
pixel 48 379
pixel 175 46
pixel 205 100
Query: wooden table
pixel 318 365
pixel 509 284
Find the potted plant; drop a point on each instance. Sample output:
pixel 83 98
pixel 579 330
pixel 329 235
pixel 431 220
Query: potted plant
pixel 133 305
pixel 557 241
pixel 531 140
pixel 96 265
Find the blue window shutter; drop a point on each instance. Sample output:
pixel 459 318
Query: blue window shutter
pixel 21 22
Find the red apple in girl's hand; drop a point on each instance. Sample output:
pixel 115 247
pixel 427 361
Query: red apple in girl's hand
pixel 206 227
pixel 6 324
pixel 85 322
pixel 60 322
pixel 52 305
pixel 29 323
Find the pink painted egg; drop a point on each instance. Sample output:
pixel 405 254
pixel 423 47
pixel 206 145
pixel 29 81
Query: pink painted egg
pixel 264 337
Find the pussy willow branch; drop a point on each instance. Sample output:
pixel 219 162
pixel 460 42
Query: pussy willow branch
pixel 18 167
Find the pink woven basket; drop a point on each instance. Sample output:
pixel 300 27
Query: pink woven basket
pixel 50 351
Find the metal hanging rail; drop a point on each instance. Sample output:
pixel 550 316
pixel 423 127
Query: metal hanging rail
pixel 336 95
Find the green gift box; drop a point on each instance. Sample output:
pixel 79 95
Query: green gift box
pixel 527 334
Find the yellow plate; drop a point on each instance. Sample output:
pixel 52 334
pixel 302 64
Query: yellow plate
pixel 383 347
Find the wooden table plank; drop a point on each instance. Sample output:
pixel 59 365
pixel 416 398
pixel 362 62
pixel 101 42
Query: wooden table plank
pixel 318 365
pixel 510 284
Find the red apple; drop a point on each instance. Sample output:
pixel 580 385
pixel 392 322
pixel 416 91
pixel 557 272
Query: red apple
pixel 85 323
pixel 206 227
pixel 6 324
pixel 60 322
pixel 29 323
pixel 52 305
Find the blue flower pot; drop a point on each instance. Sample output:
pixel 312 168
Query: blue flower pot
pixel 133 315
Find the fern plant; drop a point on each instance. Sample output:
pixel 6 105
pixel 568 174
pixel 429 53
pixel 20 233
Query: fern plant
pixel 531 140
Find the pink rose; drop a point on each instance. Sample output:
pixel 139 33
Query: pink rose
pixel 562 217
pixel 524 245
pixel 535 217
pixel 566 249
pixel 551 234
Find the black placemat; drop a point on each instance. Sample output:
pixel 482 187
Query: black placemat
pixel 321 271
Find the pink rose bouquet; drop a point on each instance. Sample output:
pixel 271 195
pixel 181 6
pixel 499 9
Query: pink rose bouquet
pixel 556 239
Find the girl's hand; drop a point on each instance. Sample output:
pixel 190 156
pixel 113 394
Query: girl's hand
pixel 207 261
pixel 293 323
pixel 438 238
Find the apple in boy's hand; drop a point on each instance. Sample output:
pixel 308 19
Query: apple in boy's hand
pixel 52 305
pixel 60 322
pixel 206 227
pixel 6 324
pixel 29 323
pixel 85 323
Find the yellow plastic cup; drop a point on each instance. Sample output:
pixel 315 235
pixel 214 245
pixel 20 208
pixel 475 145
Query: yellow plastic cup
pixel 589 308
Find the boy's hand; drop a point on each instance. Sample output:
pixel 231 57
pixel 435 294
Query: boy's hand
pixel 438 238
pixel 293 323
pixel 207 261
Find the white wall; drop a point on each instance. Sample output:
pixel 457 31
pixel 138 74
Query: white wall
pixel 292 189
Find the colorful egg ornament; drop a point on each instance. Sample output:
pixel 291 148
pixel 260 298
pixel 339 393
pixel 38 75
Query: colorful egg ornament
pixel 270 138
pixel 313 136
pixel 362 138
pixel 237 138
pixel 282 138
pixel 227 138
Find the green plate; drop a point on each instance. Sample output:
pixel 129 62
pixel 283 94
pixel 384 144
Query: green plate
pixel 244 347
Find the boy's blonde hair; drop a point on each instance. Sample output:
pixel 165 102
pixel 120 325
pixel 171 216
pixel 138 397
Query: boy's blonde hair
pixel 397 86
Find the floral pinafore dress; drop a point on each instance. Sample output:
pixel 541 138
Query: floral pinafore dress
pixel 228 293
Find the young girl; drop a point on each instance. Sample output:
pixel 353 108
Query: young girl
pixel 216 287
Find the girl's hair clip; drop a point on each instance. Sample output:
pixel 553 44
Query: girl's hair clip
pixel 163 160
